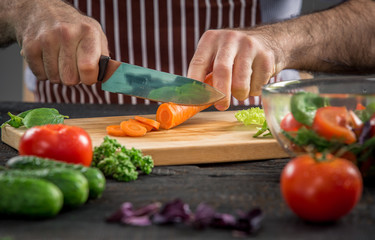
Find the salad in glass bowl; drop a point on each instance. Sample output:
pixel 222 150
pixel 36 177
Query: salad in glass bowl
pixel 326 115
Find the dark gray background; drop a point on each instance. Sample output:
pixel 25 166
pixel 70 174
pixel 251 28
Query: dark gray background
pixel 11 68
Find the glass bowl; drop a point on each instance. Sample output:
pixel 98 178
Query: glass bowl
pixel 304 98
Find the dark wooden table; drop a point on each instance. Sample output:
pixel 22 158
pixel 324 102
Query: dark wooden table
pixel 227 187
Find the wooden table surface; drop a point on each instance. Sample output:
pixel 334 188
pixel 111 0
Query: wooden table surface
pixel 226 186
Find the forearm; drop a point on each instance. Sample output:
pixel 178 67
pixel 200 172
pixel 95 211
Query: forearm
pixel 19 16
pixel 7 31
pixel 341 39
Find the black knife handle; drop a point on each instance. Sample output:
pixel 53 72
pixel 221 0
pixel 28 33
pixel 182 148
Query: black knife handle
pixel 103 63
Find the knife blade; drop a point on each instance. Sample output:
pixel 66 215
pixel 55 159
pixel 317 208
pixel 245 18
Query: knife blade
pixel 118 77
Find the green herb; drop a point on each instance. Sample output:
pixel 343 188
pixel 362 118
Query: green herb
pixel 366 114
pixel 120 163
pixel 254 116
pixel 304 106
pixel 250 116
pixel 35 117
pixel 264 131
pixel 307 138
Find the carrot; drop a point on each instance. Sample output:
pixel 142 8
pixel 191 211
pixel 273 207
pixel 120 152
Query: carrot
pixel 170 115
pixel 154 124
pixel 148 127
pixel 208 79
pixel 115 130
pixel 133 129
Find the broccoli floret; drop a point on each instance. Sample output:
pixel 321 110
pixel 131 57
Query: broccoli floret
pixel 144 163
pixel 122 164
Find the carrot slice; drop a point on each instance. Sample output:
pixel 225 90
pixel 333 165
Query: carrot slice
pixel 115 130
pixel 133 129
pixel 154 124
pixel 148 127
pixel 170 115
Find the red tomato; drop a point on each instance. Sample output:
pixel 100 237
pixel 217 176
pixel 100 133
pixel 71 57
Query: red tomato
pixel 360 107
pixel 57 141
pixel 290 124
pixel 321 191
pixel 333 122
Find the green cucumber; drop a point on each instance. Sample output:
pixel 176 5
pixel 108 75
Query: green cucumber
pixel 72 183
pixel 29 197
pixel 94 176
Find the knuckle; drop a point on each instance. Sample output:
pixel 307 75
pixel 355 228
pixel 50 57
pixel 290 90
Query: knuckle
pixel 31 50
pixel 209 34
pixel 69 77
pixel 40 75
pixel 87 67
pixel 89 27
pixel 198 61
pixel 222 68
pixel 64 31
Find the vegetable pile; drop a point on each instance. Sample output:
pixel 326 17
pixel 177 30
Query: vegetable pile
pixel 135 127
pixel 39 187
pixel 120 163
pixel 177 211
pixel 313 125
pixel 35 117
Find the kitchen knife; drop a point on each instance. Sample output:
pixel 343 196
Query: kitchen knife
pixel 154 85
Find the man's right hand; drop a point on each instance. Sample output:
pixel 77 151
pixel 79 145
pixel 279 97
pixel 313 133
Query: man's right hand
pixel 58 42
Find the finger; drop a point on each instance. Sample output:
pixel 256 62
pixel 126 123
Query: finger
pixel 50 56
pixel 242 71
pixel 223 67
pixel 32 52
pixel 202 61
pixel 263 70
pixel 67 60
pixel 88 54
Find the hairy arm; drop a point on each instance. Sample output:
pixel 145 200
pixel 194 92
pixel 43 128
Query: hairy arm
pixel 341 39
pixel 338 40
pixel 7 32
pixel 58 42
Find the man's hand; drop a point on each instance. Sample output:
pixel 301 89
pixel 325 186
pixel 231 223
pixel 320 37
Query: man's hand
pixel 241 62
pixel 338 40
pixel 58 42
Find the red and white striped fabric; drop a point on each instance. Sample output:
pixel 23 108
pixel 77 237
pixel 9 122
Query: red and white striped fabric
pixel 158 34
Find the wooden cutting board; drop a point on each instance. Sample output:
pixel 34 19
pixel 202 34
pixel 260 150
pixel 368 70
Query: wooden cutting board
pixel 208 137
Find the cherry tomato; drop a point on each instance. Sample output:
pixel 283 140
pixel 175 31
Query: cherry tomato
pixel 57 141
pixel 290 124
pixel 321 191
pixel 333 122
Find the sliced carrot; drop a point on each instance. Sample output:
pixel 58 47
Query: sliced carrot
pixel 115 130
pixel 133 129
pixel 154 124
pixel 170 115
pixel 148 127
